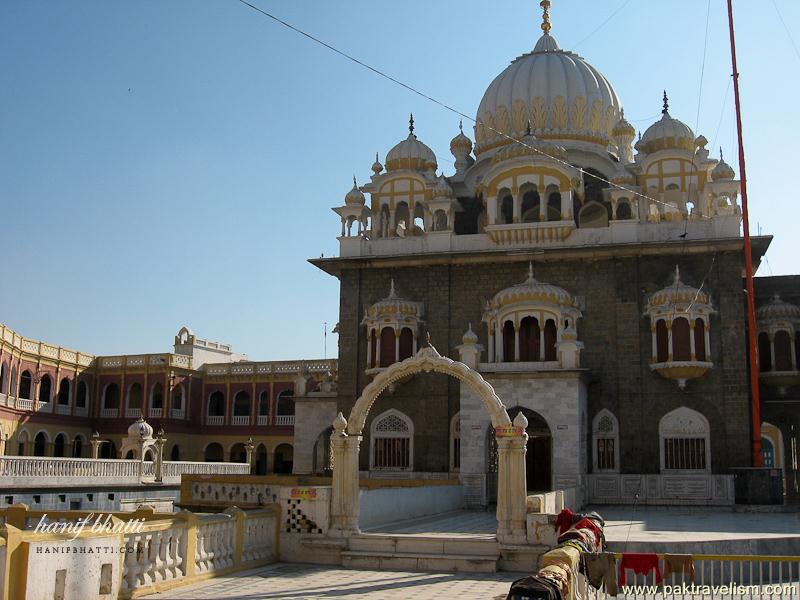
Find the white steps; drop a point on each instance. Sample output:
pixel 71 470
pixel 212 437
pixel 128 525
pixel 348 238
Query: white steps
pixel 478 553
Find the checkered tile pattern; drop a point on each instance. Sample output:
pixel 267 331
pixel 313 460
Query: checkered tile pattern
pixel 297 522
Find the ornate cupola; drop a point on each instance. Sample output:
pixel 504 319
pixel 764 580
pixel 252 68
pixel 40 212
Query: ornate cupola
pixel 623 134
pixel 723 190
pixel 441 207
pixel 393 328
pixel 778 326
pixel 533 323
pixel 666 133
pixel 411 154
pixel 461 149
pixel 353 212
pixel 680 327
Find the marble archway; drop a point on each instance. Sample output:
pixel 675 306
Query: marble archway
pixel 347 436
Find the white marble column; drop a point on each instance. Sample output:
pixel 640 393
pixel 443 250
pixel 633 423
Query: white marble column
pixel 344 487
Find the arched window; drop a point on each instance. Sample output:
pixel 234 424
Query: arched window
pixel 767 453
pixel 111 396
pixel 605 442
pixel 550 340
pixel 263 408
pixel 623 210
pixel 783 351
pixel 530 207
pixel 373 349
pixel 175 453
pixel 681 346
pixel 387 346
pixel 82 395
pixel 59 444
pixel 285 408
pixel 213 453
pixel 108 449
pixel 134 401
pixel 506 216
pixel 440 220
pixel 216 408
pixel 406 343
pixel 699 339
pixel 45 389
pixel 63 392
pixel 685 441
pixel 77 446
pixel 241 408
pixel 40 444
pixel 177 398
pixel 554 205
pixel 509 346
pixel 157 396
pixel 392 435
pixel 529 340
pixel 25 380
pixel 261 460
pixel 662 341
pixel 3 375
pixel 22 443
pixel 455 442
pixel 284 459
pixel 323 463
pixel 238 453
pixel 764 352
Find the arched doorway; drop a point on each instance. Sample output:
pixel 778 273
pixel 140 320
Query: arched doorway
pixel 238 453
pixel 213 453
pixel 40 443
pixel 108 449
pixel 59 444
pixel 347 436
pixel 539 455
pixel 175 453
pixel 284 458
pixel 321 464
pixel 261 460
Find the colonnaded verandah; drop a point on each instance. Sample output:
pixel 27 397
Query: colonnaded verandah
pixel 593 278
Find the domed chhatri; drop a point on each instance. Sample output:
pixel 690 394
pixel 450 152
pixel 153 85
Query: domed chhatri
pixel 667 133
pixel 355 195
pixel 411 153
pixel 565 98
pixel 723 171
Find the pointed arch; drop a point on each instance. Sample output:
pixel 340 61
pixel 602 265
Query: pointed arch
pixel 392 442
pixel 605 442
pixel 685 440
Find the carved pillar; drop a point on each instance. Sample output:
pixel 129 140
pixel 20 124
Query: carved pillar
pixel 692 352
pixel 517 207
pixel 249 448
pixel 516 342
pixel 491 211
pixel 499 343
pixel 491 357
pixel 344 486
pixel 159 459
pixel 511 484
pixel 566 204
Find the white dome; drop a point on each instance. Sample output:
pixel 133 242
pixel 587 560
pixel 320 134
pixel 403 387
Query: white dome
pixel 563 96
pixel 533 290
pixel 667 133
pixel 777 309
pixel 411 153
pixel 355 195
pixel 140 429
pixel 723 171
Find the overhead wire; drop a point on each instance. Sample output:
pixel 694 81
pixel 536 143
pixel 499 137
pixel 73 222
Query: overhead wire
pixel 603 24
pixel 787 30
pixel 446 106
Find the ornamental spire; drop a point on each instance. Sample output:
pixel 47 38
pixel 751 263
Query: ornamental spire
pixel 355 185
pixel 666 104
pixel 545 4
pixel 411 124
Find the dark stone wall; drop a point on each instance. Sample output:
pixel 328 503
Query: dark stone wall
pixel 616 336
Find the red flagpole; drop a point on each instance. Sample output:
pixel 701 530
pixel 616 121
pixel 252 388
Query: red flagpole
pixel 748 262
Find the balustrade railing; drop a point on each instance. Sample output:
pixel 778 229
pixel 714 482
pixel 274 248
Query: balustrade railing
pixel 177 413
pixel 215 420
pixel 42 468
pixel 62 409
pixel 110 413
pixel 133 412
pixel 284 420
pixel 156 412
pixel 263 419
pixel 24 404
pixel 162 551
pixel 240 420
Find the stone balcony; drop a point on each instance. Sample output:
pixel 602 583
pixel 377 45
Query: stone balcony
pixel 530 233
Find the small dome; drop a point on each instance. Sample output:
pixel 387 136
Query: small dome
pixel 442 188
pixel 623 128
pixel 394 306
pixel 723 171
pixel 678 293
pixel 460 144
pixel 531 289
pixel 410 153
pixel 530 145
pixel 667 133
pixel 777 309
pixel 140 429
pixel 470 337
pixel 377 167
pixel 354 196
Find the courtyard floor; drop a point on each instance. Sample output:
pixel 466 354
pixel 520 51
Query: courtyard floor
pixel 297 581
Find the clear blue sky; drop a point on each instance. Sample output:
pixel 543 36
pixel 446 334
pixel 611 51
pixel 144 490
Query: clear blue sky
pixel 171 163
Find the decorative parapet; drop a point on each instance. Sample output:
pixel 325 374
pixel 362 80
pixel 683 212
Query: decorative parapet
pixel 39 349
pixel 293 367
pixel 140 361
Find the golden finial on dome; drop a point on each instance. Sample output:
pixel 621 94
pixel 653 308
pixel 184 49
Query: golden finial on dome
pixel 545 4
